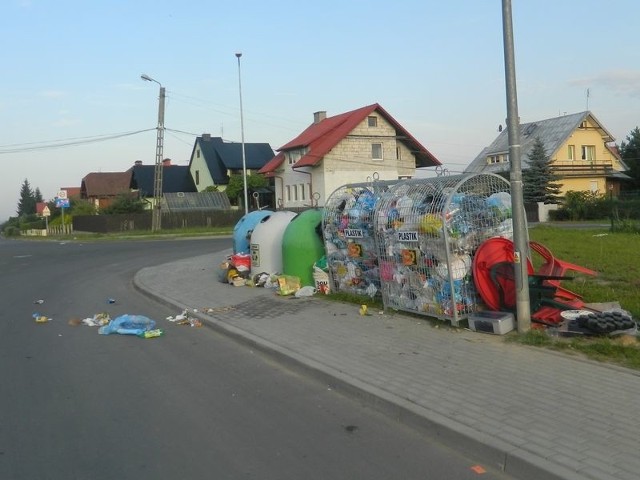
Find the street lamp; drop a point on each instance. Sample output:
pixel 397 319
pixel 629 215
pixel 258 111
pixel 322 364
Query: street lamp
pixel 244 159
pixel 520 234
pixel 156 216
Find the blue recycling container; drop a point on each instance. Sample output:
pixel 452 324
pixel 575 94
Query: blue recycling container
pixel 244 228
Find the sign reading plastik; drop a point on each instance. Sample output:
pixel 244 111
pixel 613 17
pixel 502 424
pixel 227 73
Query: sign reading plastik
pixel 407 236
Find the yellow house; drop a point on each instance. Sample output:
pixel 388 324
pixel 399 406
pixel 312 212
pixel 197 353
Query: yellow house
pixel 580 149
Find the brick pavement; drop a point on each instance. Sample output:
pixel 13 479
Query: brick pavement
pixel 531 412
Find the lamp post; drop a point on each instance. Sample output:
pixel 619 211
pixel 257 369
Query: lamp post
pixel 520 234
pixel 244 158
pixel 156 215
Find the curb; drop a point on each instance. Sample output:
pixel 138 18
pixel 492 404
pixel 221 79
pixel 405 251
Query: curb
pixel 506 458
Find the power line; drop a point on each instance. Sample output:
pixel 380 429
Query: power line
pixel 68 142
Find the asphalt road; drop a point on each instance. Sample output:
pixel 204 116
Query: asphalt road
pixel 191 404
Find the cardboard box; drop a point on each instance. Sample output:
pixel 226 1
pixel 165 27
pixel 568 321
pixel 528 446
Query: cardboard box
pixel 487 321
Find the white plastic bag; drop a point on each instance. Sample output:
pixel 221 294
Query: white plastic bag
pixel 306 291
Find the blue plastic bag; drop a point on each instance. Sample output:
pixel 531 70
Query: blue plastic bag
pixel 128 325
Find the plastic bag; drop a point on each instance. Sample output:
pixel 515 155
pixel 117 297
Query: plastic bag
pixel 128 325
pixel 306 291
pixel 288 284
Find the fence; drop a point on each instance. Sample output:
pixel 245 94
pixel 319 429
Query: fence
pixel 142 221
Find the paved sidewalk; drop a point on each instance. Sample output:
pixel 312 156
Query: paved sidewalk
pixel 534 413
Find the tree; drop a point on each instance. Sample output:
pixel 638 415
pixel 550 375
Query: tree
pixel 38 196
pixel 540 183
pixel 27 202
pixel 235 187
pixel 630 152
pixel 124 203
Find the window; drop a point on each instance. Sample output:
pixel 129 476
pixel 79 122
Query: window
pixel 197 177
pixel 398 153
pixel 372 121
pixel 302 191
pixel 571 152
pixel 589 153
pixel 500 158
pixel 376 151
pixel 294 155
pixel 198 153
pixel 288 193
pixel 295 192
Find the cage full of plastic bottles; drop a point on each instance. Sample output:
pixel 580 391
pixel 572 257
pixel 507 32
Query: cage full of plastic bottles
pixel 349 237
pixel 427 231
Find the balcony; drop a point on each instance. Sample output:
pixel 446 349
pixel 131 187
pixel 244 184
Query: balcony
pixel 582 168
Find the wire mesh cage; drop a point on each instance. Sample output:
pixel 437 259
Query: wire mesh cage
pixel 427 231
pixel 349 237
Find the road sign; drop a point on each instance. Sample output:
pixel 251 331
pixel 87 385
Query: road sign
pixel 46 212
pixel 62 194
pixel 62 202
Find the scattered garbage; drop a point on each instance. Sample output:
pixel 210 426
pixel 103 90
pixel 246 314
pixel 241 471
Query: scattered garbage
pixel 288 284
pixel 306 291
pixel 157 332
pixel 111 300
pixel 41 318
pixel 128 325
pixel 185 319
pixel 364 310
pixel 38 302
pixel 98 320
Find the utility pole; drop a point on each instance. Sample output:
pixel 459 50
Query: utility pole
pixel 520 234
pixel 156 215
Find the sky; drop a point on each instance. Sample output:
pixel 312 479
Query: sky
pixel 72 101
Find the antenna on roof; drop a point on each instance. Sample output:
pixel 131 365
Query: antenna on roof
pixel 588 99
pixel 221 130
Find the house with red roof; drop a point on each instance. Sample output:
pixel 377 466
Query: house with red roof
pixel 351 147
pixel 102 188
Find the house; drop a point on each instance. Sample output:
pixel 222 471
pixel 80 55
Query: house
pixel 579 147
pixel 347 148
pixel 175 178
pixel 101 188
pixel 213 160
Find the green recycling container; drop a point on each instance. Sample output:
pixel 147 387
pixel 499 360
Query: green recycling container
pixel 302 245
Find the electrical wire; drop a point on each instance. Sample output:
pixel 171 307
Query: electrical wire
pixel 68 142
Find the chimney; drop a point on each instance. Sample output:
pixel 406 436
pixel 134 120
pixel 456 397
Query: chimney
pixel 166 162
pixel 137 163
pixel 206 137
pixel 319 116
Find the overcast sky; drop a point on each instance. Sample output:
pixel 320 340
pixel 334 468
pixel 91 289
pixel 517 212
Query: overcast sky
pixel 72 101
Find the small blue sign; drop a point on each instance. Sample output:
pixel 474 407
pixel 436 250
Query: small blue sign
pixel 62 202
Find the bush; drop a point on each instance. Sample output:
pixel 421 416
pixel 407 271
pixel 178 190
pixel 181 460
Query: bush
pixel 11 231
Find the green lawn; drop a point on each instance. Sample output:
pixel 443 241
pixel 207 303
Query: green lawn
pixel 614 256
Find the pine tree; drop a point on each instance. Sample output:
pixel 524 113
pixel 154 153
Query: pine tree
pixel 27 202
pixel 38 196
pixel 540 183
pixel 630 152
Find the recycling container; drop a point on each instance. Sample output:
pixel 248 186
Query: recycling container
pixel 349 237
pixel 266 242
pixel 428 231
pixel 243 229
pixel 302 245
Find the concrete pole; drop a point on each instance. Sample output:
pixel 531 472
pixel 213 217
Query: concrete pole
pixel 520 234
pixel 156 219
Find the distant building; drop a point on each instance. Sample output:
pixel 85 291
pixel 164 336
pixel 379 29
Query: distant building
pixel 580 149
pixel 347 148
